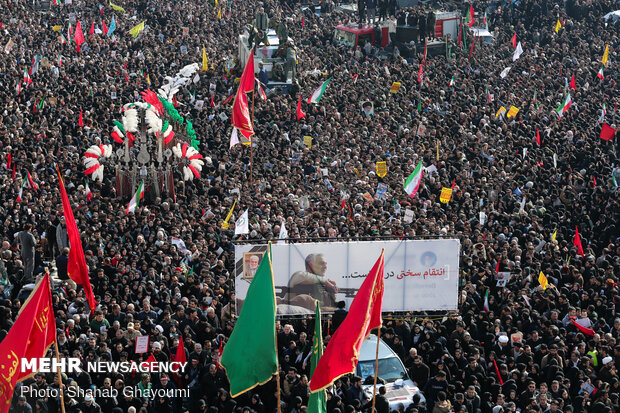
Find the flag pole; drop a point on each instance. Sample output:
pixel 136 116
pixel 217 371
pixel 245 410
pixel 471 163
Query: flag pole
pixel 374 388
pixel 60 387
pixel 251 152
pixel 274 327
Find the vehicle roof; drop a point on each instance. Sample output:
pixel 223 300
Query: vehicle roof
pixel 480 31
pixel 369 349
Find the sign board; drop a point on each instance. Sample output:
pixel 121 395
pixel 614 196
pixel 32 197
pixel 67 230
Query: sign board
pixel 420 275
pixel 142 344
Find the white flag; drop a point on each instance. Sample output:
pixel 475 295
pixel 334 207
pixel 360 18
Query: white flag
pixel 524 152
pixel 555 161
pixel 234 138
pixel 242 224
pixel 505 72
pixel 518 52
pixel 522 205
pixel 283 234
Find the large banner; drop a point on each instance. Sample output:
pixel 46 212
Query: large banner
pixel 420 275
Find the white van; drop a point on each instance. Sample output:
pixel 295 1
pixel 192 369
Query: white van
pixel 400 388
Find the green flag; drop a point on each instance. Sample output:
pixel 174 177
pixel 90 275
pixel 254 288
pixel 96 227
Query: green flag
pixel 250 356
pixel 318 401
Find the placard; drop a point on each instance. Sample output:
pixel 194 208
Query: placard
pixel 142 344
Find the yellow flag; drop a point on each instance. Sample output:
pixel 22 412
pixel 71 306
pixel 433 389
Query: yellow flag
pixel 205 67
pixel 446 195
pixel 148 79
pixel 543 281
pixel 219 13
pixel 605 56
pixel 395 87
pixel 558 26
pixel 225 224
pixel 308 141
pixel 381 169
pixel 216 3
pixel 512 112
pixel 554 235
pixel 135 31
pixel 117 8
pixel 56 28
pixel 437 149
pixel 500 112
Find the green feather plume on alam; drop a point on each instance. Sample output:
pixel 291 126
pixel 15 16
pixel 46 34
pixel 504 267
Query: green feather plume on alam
pixel 171 110
pixel 192 134
pixel 176 117
pixel 120 126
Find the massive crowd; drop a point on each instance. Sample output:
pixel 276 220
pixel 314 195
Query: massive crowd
pixel 506 205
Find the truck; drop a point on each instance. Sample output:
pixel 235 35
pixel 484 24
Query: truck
pixel 274 65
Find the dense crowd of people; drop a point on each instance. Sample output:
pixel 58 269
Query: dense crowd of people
pixel 511 195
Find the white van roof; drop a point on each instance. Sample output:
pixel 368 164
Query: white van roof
pixel 369 349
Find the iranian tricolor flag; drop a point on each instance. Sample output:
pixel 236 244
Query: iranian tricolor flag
pixel 135 200
pixel 27 79
pixel 318 93
pixel 600 74
pixel 488 94
pixel 89 194
pixel 31 183
pixel 451 85
pixel 21 190
pixel 564 106
pixel 413 182
pixel 486 302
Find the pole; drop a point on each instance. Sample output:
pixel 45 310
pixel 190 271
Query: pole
pixel 62 392
pixel 278 377
pixel 252 165
pixel 374 389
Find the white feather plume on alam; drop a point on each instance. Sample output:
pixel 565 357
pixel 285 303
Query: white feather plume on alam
pixel 192 157
pixel 92 161
pixel 173 84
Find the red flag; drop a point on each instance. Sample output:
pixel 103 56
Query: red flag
pixel 8 161
pixel 303 21
pixel 300 112
pixel 584 330
pixel 607 133
pixel 104 28
pixel 240 117
pixel 81 119
pixel 460 33
pixel 572 82
pixel 593 181
pixel 499 376
pixel 342 352
pixel 212 103
pixel 179 357
pixel 471 51
pixel 471 15
pixel 421 74
pixel 126 78
pixel 537 137
pixel 92 29
pixel 30 337
pixel 13 175
pixel 577 243
pixel 497 266
pixel 514 41
pixel 227 99
pixel 76 267
pixel 79 36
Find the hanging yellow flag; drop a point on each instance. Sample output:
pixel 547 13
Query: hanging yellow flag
pixel 512 112
pixel 357 172
pixel 554 235
pixel 381 169
pixel 308 141
pixel 558 26
pixel 395 87
pixel 219 13
pixel 216 3
pixel 148 79
pixel 56 28
pixel 446 195
pixel 117 8
pixel 543 281
pixel 605 56
pixel 135 31
pixel 225 224
pixel 437 149
pixel 500 112
pixel 205 67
